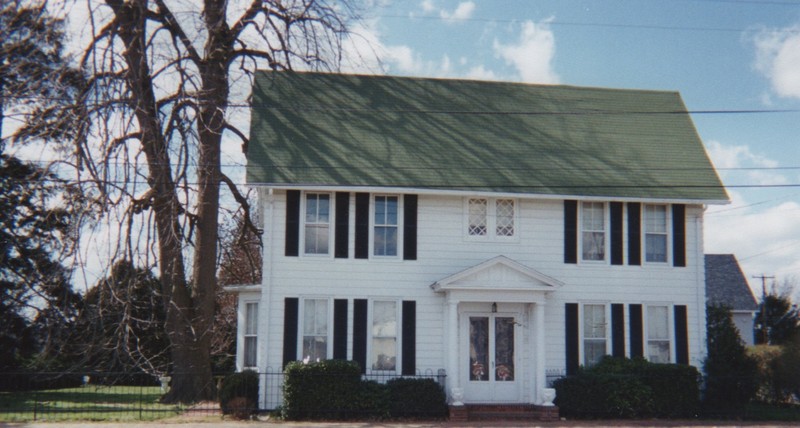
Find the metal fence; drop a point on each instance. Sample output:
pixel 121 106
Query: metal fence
pixel 126 396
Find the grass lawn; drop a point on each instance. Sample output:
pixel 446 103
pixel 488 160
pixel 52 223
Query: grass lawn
pixel 86 403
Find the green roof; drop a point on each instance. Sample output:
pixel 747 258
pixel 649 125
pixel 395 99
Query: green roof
pixel 311 129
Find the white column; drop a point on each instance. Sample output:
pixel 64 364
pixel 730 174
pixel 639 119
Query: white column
pixel 453 375
pixel 541 355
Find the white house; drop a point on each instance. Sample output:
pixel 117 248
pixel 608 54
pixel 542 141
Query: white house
pixel 500 232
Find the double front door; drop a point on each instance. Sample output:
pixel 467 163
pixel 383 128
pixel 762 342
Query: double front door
pixel 490 357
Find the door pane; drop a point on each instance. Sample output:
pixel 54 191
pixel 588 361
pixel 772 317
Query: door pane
pixel 504 348
pixel 479 348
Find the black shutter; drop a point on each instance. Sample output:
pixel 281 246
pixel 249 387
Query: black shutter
pixel 341 230
pixel 618 330
pixel 410 227
pixel 634 234
pixel 362 226
pixel 571 337
pixel 360 333
pixel 409 352
pixel 570 231
pixel 292 244
pixel 290 308
pixel 681 335
pixel 637 333
pixel 340 329
pixel 679 235
pixel 615 210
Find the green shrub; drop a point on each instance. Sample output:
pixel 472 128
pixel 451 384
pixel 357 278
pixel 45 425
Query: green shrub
pixel 324 389
pixel 731 374
pixel 416 398
pixel 629 388
pixel 242 385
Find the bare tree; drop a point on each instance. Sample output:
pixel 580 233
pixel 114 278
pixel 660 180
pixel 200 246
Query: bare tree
pixel 163 78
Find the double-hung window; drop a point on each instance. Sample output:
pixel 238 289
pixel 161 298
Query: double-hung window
pixel 317 227
pixel 593 231
pixel 316 322
pixel 384 335
pixel 655 238
pixel 491 218
pixel 386 225
pixel 658 334
pixel 250 335
pixel 595 336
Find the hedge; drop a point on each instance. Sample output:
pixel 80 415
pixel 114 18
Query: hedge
pixel 630 388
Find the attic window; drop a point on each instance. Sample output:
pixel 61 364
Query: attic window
pixel 490 218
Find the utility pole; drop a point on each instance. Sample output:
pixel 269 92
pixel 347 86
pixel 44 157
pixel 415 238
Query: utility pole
pixel 764 332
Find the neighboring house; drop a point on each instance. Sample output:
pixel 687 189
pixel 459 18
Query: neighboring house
pixel 501 232
pixel 726 286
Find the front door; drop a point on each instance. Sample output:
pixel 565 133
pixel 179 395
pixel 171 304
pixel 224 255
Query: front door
pixel 490 357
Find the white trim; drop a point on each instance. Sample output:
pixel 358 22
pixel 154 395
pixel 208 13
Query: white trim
pixel 670 328
pixel 545 283
pixel 488 194
pixel 491 220
pixel 606 234
pixel 668 234
pixel 301 326
pixel 400 226
pixel 582 334
pixel 398 346
pixel 331 224
pixel 243 288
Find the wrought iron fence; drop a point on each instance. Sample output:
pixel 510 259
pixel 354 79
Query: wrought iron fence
pixel 126 396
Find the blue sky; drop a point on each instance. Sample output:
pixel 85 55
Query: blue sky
pixel 723 56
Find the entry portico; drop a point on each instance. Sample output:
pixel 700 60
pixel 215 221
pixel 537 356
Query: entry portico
pixel 495 331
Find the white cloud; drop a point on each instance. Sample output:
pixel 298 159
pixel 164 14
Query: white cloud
pixel 532 55
pixel 760 226
pixel 427 6
pixel 463 11
pixel 778 58
pixel 479 72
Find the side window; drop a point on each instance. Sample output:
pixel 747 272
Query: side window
pixel 658 334
pixel 317 223
pixel 490 218
pixel 316 329
pixel 655 238
pixel 595 334
pixel 384 336
pixel 386 226
pixel 593 231
pixel 250 334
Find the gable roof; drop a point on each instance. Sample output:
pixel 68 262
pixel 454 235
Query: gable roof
pixel 726 284
pixel 498 274
pixel 402 132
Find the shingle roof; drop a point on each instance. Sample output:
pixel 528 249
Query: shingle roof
pixel 383 131
pixel 726 284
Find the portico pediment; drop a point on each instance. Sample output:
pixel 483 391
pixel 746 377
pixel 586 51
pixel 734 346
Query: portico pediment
pixel 497 274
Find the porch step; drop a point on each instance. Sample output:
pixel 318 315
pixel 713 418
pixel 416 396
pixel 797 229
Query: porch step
pixel 505 412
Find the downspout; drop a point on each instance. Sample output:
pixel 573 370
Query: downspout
pixel 267 274
pixel 700 272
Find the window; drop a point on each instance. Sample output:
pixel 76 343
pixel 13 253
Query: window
pixel 658 335
pixel 593 231
pixel 317 223
pixel 655 238
pixel 315 329
pixel 491 217
pixel 251 334
pixel 386 226
pixel 594 334
pixel 478 214
pixel 384 335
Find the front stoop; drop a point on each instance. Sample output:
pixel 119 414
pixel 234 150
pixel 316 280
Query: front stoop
pixel 503 412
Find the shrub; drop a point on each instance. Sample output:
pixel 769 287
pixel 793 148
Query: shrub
pixel 417 398
pixel 629 388
pixel 236 386
pixel 241 408
pixel 324 389
pixel 785 369
pixel 731 374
